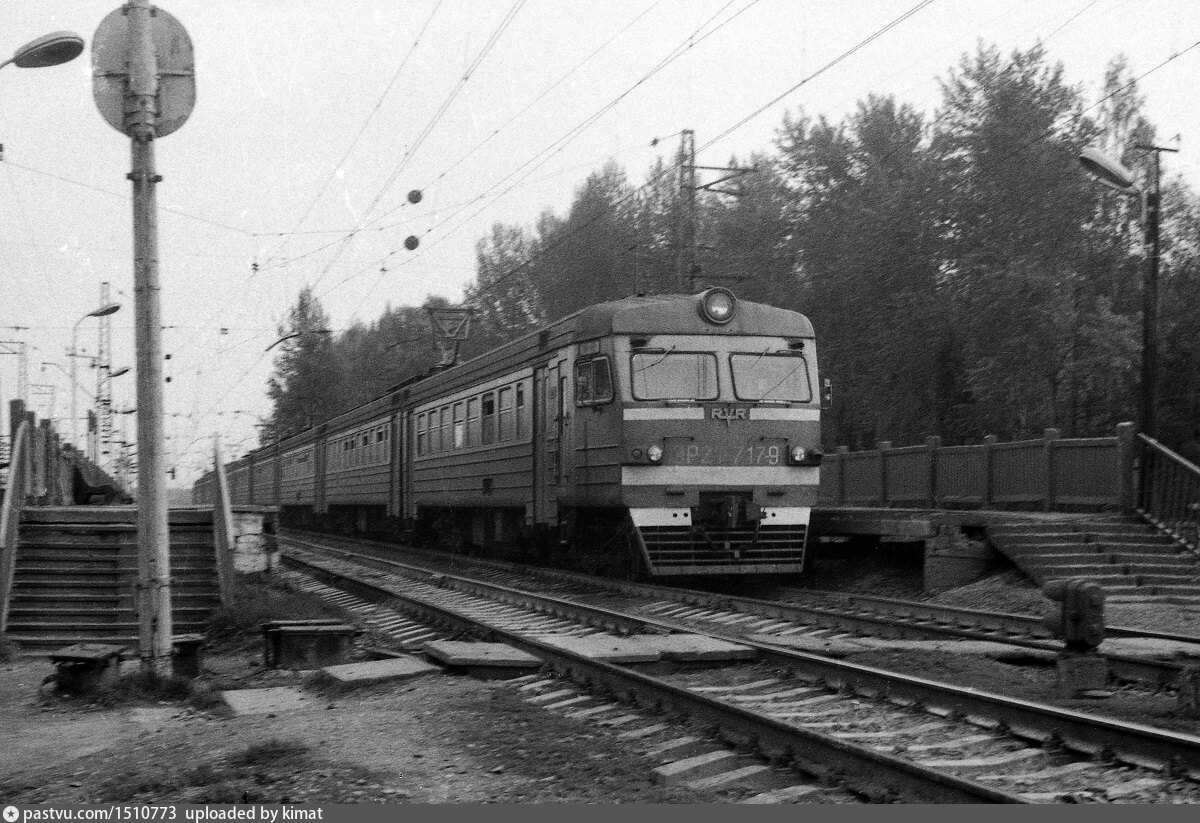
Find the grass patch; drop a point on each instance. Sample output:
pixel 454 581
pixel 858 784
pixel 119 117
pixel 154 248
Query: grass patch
pixel 273 752
pixel 252 604
pixel 142 687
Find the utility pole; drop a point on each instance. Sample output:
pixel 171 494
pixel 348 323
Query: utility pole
pixel 686 268
pixel 685 254
pixel 144 86
pixel 1153 202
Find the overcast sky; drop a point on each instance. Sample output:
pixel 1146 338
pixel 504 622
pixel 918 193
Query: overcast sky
pixel 314 119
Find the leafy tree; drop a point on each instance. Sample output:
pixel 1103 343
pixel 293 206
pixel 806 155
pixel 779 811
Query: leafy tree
pixel 306 387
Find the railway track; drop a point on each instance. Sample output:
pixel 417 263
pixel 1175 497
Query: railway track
pixel 822 615
pixel 863 732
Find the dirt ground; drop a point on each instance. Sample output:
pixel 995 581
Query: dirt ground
pixel 438 739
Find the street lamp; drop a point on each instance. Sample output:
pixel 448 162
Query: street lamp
pixel 1116 176
pixel 298 334
pixel 48 50
pixel 103 311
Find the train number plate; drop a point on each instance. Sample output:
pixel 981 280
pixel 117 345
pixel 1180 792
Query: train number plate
pixel 765 453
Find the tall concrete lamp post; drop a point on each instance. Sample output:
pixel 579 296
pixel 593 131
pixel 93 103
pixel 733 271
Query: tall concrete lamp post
pixel 1115 175
pixel 144 84
pixel 103 311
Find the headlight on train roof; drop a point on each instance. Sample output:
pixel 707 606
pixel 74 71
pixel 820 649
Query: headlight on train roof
pixel 797 454
pixel 718 305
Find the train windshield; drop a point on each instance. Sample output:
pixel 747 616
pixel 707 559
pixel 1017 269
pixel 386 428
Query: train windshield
pixel 670 375
pixel 782 377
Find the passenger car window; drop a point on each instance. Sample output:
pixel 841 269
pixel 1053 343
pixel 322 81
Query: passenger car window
pixel 489 418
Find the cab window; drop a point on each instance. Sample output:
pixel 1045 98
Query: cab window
pixel 668 375
pixel 593 382
pixel 778 376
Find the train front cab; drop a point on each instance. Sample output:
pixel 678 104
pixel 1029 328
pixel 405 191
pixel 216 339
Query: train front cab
pixel 718 446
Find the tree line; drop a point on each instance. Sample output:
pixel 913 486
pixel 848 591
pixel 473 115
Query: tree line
pixel 964 275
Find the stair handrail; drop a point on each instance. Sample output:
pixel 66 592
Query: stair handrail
pixel 224 535
pixel 10 516
pixel 1169 496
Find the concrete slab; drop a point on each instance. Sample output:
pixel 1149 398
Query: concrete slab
pixel 377 671
pixel 268 701
pixel 606 647
pixel 846 646
pixel 812 645
pixel 687 647
pixel 1148 647
pixel 458 653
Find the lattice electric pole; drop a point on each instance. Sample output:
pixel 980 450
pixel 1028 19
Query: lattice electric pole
pixel 686 268
pixel 104 426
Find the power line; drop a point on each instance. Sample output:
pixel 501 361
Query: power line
pixel 370 116
pixel 428 129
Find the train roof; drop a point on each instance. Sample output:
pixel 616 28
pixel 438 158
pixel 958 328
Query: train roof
pixel 680 314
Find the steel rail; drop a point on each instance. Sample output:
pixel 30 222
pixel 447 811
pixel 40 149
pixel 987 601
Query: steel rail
pixel 1000 621
pixel 873 774
pixel 1156 673
pixel 1047 725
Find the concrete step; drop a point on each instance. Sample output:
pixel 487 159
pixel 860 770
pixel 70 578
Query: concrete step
pixel 1155 539
pixel 1074 572
pixel 1174 569
pixel 1119 528
pixel 1165 547
pixel 24 615
pixel 1072 559
pixel 1168 580
pixel 1022 538
pixel 1174 558
pixel 1112 587
pixel 1178 590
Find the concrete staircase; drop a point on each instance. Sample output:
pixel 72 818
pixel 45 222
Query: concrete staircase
pixel 76 576
pixel 1131 559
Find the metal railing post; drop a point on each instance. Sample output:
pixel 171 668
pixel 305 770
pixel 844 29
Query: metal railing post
pixel 1050 436
pixel 883 446
pixel 1126 466
pixel 933 444
pixel 985 495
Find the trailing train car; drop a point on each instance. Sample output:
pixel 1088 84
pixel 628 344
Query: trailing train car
pixel 662 435
pixel 358 465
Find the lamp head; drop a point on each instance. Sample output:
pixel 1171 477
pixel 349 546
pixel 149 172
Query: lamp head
pixel 105 310
pixel 1108 171
pixel 48 50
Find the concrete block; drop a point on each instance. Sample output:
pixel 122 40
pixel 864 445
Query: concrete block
pixel 1081 673
pixel 268 701
pixel 458 653
pixel 696 647
pixel 377 671
pixel 606 647
pixel 813 645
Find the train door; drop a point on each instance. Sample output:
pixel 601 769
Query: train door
pixel 547 440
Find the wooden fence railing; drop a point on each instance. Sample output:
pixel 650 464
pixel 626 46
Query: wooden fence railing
pixel 1170 494
pixel 1047 474
pixel 10 514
